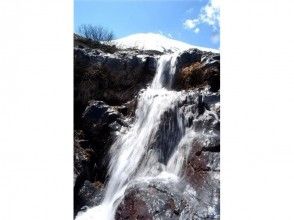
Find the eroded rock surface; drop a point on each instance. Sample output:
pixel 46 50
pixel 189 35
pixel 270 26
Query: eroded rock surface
pixel 113 78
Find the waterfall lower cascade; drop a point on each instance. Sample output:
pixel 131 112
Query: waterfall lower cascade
pixel 155 146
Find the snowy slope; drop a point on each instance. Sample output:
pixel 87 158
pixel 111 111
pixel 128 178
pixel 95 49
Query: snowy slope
pixel 152 41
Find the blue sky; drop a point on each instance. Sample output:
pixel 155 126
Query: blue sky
pixel 192 21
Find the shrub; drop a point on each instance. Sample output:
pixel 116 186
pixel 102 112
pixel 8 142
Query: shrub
pixel 95 33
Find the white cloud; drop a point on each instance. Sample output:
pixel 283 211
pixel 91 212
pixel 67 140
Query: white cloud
pixel 210 14
pixel 197 30
pixel 190 23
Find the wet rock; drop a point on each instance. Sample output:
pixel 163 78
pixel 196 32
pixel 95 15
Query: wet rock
pixel 202 173
pixel 168 135
pixel 154 200
pixel 83 156
pixel 97 116
pixel 122 109
pixel 216 57
pixel 133 207
pixel 165 200
pixel 89 195
pixel 85 168
pixel 101 124
pixel 101 120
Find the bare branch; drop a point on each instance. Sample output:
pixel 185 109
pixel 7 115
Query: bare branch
pixel 95 33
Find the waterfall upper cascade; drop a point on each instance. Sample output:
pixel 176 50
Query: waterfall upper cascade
pixel 156 145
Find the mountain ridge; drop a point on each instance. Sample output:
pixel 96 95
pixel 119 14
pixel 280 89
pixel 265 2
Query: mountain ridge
pixel 158 42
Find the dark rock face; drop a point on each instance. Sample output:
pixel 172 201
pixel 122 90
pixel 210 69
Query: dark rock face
pixel 113 78
pixel 89 195
pixel 198 69
pixel 188 57
pixel 99 117
pixel 100 124
pixel 84 166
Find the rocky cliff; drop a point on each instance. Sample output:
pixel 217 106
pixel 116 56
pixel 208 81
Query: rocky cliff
pixel 106 86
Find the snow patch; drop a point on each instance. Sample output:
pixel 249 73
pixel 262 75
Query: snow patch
pixel 158 42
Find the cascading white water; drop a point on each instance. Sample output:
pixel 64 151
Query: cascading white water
pixel 133 157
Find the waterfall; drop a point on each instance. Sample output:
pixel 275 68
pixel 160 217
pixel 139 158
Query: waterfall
pixel 148 149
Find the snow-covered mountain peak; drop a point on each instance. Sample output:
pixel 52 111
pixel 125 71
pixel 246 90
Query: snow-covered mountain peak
pixel 153 41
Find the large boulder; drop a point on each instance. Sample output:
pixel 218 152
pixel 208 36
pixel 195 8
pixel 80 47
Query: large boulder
pixel 99 117
pixel 167 199
pixel 152 200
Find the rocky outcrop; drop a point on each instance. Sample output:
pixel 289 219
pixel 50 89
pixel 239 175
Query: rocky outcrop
pixel 99 118
pixel 198 69
pixel 100 124
pixel 106 86
pixel 114 78
pixel 202 168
